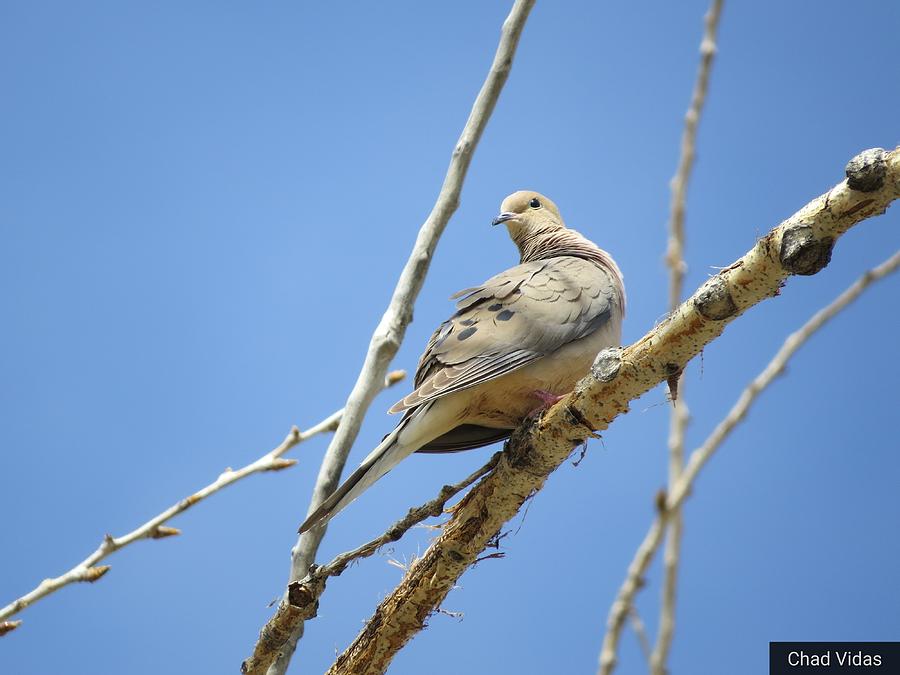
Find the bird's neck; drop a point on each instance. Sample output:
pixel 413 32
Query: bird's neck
pixel 543 245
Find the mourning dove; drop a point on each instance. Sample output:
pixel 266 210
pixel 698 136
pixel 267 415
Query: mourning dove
pixel 516 343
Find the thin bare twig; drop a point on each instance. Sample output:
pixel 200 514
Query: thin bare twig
pixel 679 182
pixel 7 626
pixel 802 244
pixel 634 581
pixel 644 556
pixel 677 268
pixel 303 596
pixel 88 570
pixel 430 509
pixel 678 425
pixel 637 625
pixel 390 331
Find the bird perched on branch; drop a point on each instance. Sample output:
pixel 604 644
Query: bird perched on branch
pixel 517 343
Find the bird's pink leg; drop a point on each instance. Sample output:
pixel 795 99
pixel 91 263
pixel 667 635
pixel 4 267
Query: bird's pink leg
pixel 546 398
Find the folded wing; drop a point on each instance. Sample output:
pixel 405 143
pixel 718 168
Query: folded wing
pixel 511 320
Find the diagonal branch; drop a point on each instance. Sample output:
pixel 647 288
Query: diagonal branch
pixel 677 267
pixel 775 368
pixel 679 492
pixel 390 331
pixel 303 595
pixel 800 245
pixel 155 528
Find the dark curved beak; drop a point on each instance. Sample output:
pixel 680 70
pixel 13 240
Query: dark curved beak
pixel 503 217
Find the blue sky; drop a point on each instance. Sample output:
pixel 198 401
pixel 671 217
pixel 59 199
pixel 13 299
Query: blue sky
pixel 204 210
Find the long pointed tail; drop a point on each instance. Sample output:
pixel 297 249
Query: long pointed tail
pixel 381 460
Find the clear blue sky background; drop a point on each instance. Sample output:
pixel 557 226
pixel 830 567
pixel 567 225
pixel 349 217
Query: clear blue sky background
pixel 204 210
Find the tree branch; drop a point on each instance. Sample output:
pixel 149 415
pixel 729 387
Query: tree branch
pixel 618 612
pixel 641 631
pixel 7 626
pixel 800 245
pixel 775 368
pixel 303 595
pixel 87 569
pixel 391 329
pixel 679 182
pixel 634 581
pixel 675 259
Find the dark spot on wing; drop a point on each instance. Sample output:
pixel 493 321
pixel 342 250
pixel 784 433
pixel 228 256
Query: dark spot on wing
pixel 496 307
pixel 505 315
pixel 467 322
pixel 467 333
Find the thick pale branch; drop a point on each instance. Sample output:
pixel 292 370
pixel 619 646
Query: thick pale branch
pixel 677 267
pixel 391 329
pixel 87 569
pixel 800 245
pixel 678 493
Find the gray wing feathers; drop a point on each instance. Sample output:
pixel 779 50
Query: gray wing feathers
pixel 512 320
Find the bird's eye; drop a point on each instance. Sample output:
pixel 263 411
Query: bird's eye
pixel 535 203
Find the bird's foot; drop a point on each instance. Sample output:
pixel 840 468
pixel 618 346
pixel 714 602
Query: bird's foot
pixel 546 398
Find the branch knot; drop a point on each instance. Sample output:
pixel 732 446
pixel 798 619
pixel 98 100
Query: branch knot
pixel 801 253
pixel 607 364
pixel 866 171
pixel 714 301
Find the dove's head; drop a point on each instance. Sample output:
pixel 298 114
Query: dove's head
pixel 528 214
